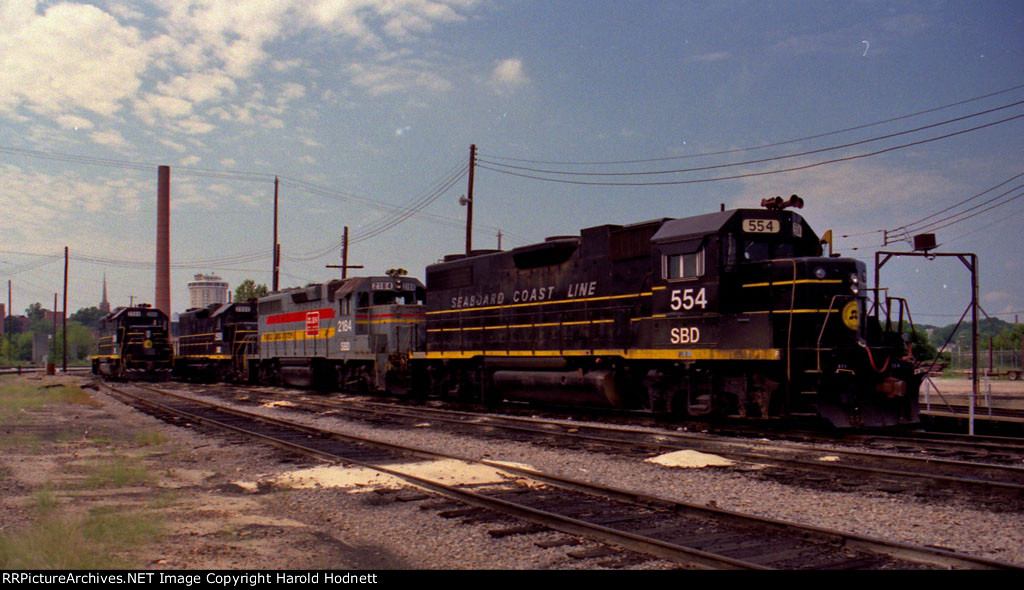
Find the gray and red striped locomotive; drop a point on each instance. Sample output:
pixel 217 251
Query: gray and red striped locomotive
pixel 352 333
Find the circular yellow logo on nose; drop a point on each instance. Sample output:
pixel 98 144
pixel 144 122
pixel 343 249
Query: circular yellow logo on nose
pixel 851 315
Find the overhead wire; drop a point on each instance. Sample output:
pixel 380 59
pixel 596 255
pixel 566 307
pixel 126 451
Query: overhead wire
pixel 910 225
pixel 399 214
pixel 762 173
pixel 397 211
pixel 764 146
pixel 984 227
pixel 761 160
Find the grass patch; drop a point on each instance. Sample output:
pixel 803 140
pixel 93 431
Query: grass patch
pixel 45 501
pixel 117 473
pixel 30 443
pixel 165 499
pixel 149 438
pixel 102 540
pixel 17 396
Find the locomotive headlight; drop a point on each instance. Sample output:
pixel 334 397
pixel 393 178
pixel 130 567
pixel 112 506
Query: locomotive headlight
pixel 819 272
pixel 854 284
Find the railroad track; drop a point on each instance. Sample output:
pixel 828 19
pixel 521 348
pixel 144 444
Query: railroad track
pixel 27 370
pixel 895 465
pixel 694 536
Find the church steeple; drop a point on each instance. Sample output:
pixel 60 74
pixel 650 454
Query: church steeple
pixel 105 305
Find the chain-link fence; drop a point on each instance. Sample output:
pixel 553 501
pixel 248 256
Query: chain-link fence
pixel 999 361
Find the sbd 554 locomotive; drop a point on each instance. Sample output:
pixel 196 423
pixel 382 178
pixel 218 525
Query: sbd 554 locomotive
pixel 729 313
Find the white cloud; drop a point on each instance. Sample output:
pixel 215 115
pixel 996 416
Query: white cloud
pixel 380 79
pixel 151 108
pixel 71 57
pixel 194 126
pixel 290 91
pixel 198 87
pixel 109 137
pixel 713 56
pixel 508 75
pixel 73 122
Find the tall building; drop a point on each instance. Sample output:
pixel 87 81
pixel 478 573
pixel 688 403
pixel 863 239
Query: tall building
pixel 206 289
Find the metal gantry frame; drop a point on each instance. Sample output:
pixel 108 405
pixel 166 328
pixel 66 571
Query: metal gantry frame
pixel 970 260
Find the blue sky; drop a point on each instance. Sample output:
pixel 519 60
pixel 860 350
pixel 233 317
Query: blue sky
pixel 366 111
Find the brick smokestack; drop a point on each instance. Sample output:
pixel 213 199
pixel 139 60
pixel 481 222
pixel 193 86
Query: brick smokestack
pixel 162 297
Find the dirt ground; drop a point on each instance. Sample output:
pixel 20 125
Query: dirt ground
pixel 200 490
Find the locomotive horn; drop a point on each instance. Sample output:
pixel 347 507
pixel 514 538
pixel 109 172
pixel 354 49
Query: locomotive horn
pixel 778 204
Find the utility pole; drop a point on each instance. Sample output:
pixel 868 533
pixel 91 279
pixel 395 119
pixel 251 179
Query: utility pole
pixel 277 247
pixel 344 254
pixel 52 360
pixel 469 200
pixel 64 322
pixel 7 323
pixel 344 257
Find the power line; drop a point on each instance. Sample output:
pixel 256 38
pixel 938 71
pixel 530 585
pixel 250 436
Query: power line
pixel 984 227
pixel 955 205
pixel 765 146
pixel 228 175
pixel 755 174
pixel 761 160
pixel 399 215
pixel 1010 200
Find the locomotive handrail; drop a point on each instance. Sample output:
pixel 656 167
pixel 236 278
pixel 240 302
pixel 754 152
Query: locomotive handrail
pixel 824 324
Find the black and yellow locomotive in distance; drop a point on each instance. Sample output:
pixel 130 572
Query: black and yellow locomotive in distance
pixel 134 345
pixel 215 342
pixel 733 313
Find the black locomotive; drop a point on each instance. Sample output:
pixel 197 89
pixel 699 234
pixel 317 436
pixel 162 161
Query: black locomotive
pixel 730 313
pixel 133 344
pixel 215 342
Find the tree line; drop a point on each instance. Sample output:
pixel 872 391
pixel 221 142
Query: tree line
pixel 16 344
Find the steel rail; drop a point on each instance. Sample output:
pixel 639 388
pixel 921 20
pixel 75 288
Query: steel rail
pixel 686 441
pixel 929 555
pixel 650 546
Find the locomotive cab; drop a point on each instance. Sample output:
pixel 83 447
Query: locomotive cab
pixel 752 285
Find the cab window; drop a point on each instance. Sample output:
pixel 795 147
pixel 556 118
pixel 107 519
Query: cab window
pixel 684 266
